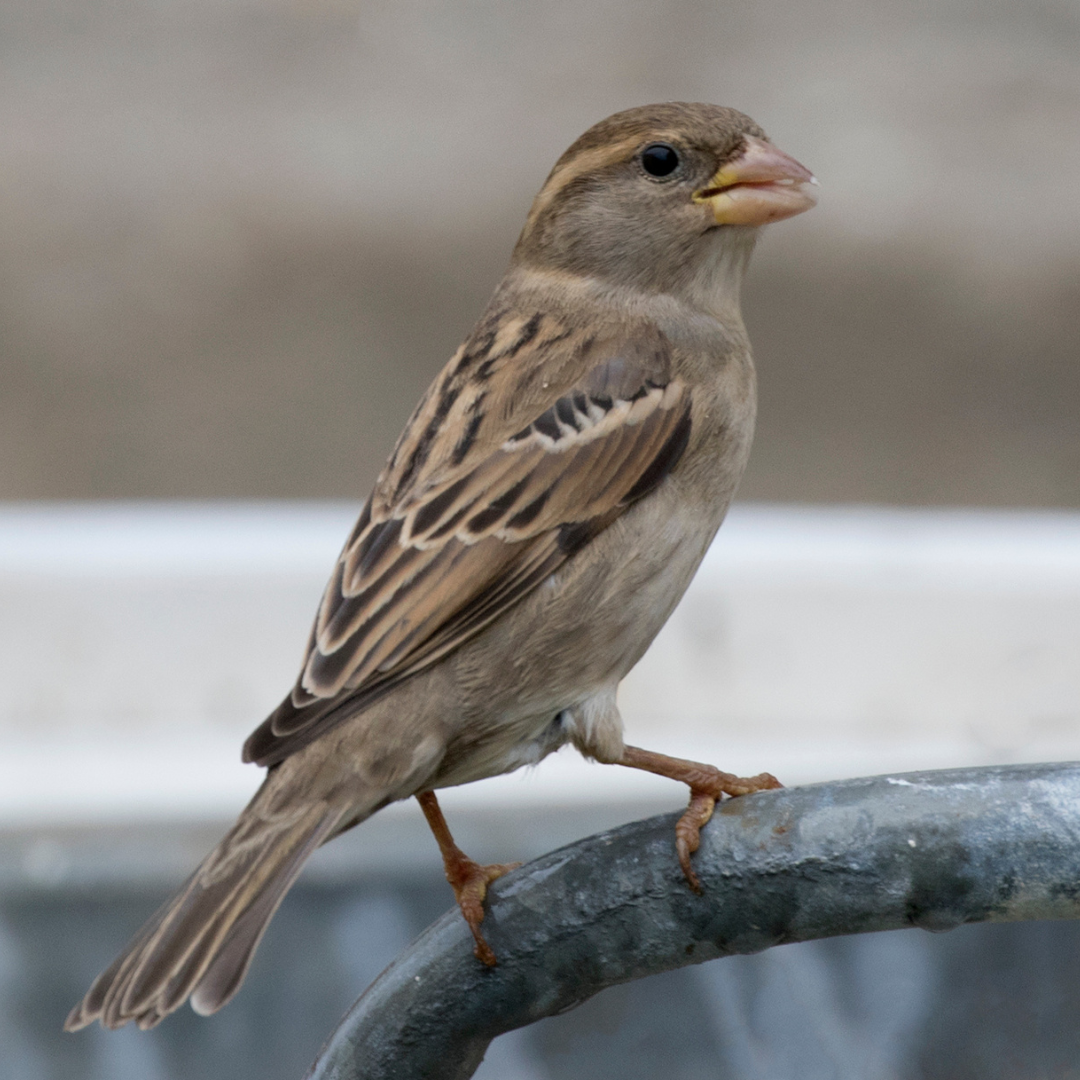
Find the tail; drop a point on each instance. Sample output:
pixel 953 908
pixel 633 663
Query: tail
pixel 200 944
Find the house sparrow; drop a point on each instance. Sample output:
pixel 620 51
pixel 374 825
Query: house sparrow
pixel 541 515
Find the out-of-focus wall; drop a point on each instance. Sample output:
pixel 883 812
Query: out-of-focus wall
pixel 236 240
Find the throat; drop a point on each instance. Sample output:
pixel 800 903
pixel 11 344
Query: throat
pixel 714 282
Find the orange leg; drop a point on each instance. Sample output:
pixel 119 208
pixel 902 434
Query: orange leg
pixel 707 784
pixel 468 879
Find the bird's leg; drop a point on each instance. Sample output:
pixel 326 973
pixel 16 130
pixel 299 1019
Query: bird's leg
pixel 467 878
pixel 706 784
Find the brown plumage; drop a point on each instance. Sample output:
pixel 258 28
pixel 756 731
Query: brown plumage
pixel 469 516
pixel 545 508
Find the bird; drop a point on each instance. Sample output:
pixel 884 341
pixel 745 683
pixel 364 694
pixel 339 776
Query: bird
pixel 542 513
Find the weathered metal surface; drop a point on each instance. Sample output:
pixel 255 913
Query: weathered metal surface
pixel 931 849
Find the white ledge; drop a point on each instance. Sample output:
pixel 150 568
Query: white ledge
pixel 139 643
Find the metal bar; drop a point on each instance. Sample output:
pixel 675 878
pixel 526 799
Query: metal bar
pixel 930 849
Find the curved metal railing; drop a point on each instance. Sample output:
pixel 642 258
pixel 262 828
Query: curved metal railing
pixel 929 849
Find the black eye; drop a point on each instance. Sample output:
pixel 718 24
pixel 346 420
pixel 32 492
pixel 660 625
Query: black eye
pixel 659 159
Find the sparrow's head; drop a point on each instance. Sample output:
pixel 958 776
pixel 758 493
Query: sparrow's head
pixel 666 197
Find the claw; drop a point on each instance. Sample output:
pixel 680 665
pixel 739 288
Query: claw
pixel 470 881
pixel 688 833
pixel 707 786
pixel 468 878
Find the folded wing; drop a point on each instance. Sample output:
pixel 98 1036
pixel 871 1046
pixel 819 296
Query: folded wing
pixel 476 508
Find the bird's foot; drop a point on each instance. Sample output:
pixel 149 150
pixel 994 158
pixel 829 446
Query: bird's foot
pixel 468 878
pixel 707 786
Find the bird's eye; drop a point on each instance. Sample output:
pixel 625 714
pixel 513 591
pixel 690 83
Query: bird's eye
pixel 659 159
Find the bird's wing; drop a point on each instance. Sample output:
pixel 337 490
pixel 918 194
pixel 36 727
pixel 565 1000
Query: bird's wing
pixel 534 439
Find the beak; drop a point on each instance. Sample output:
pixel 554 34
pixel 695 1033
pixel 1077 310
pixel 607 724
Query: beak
pixel 762 184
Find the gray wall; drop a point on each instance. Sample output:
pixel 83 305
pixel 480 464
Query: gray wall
pixel 236 240
pixel 980 1003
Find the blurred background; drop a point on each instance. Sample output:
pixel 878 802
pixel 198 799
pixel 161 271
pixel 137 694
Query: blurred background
pixel 238 239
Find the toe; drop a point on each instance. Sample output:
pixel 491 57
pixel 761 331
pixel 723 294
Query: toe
pixel 470 887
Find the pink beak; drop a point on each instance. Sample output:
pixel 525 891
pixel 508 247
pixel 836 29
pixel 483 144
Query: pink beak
pixel 761 185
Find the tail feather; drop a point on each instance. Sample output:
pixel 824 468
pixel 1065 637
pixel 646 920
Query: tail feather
pixel 225 973
pixel 201 943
